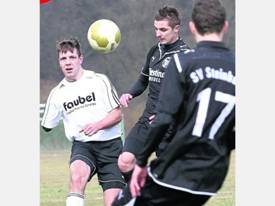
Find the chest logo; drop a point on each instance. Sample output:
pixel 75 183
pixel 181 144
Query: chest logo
pixel 165 62
pixel 79 101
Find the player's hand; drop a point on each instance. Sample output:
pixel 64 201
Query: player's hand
pixel 91 128
pixel 138 180
pixel 125 99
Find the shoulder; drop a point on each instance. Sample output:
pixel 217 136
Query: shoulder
pixel 153 49
pixel 55 93
pixel 101 76
pixel 183 46
pixel 185 53
pixel 183 58
pixel 59 87
pixel 95 76
pixel 102 80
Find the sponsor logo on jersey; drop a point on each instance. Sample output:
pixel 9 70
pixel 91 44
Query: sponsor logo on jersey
pixel 155 75
pixel 165 62
pixel 80 101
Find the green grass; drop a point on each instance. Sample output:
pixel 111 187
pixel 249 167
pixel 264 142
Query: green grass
pixel 55 177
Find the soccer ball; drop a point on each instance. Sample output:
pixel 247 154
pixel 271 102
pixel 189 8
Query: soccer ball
pixel 104 36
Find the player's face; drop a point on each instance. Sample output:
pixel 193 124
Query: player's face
pixel 70 64
pixel 165 33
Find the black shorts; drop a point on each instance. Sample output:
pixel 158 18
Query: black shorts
pixel 102 158
pixel 135 139
pixel 154 194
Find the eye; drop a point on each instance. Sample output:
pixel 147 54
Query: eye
pixel 163 29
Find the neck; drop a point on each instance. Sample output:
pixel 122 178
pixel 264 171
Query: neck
pixel 209 37
pixel 76 77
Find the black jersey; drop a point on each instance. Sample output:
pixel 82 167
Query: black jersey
pixel 153 72
pixel 199 93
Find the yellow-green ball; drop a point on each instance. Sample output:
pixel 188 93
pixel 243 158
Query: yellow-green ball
pixel 104 36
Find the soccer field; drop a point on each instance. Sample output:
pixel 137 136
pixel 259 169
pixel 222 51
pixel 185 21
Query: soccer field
pixel 54 178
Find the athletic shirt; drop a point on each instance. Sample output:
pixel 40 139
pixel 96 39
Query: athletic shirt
pixel 78 103
pixel 199 93
pixel 153 73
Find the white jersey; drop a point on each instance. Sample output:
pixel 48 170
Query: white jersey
pixel 78 103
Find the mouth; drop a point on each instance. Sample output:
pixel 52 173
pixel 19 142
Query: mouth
pixel 69 69
pixel 161 39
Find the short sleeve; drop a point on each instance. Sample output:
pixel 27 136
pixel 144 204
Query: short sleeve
pixel 53 112
pixel 110 96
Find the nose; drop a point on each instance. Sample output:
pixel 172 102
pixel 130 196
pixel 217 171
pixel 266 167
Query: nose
pixel 158 33
pixel 68 62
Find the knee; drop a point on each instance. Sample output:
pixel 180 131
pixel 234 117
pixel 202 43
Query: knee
pixel 126 162
pixel 79 174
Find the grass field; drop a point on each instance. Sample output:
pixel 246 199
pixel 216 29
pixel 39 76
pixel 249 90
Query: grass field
pixel 54 182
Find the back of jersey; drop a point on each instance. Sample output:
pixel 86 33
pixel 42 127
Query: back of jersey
pixel 198 155
pixel 208 76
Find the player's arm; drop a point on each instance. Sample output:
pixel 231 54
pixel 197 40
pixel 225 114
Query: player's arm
pixel 170 99
pixel 112 118
pixel 52 114
pixel 137 89
pixel 111 102
pixel 140 85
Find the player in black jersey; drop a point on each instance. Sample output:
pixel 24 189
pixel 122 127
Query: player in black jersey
pixel 167 27
pixel 198 92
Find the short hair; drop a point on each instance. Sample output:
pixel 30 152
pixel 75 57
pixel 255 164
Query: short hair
pixel 169 13
pixel 68 45
pixel 208 16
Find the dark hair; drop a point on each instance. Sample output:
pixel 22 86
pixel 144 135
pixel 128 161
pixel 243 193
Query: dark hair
pixel 169 13
pixel 208 16
pixel 68 45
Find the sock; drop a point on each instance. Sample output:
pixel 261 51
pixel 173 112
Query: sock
pixel 75 199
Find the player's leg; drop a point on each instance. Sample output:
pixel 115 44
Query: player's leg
pixel 126 163
pixel 82 168
pixel 109 176
pixel 123 198
pixel 79 174
pixel 133 144
pixel 109 195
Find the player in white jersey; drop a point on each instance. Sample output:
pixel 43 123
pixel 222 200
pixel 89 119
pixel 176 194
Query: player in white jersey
pixel 88 104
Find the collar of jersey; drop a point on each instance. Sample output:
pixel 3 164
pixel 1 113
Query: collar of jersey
pixel 86 74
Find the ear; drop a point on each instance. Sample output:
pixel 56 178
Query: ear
pixel 177 28
pixel 225 27
pixel 81 59
pixel 192 27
